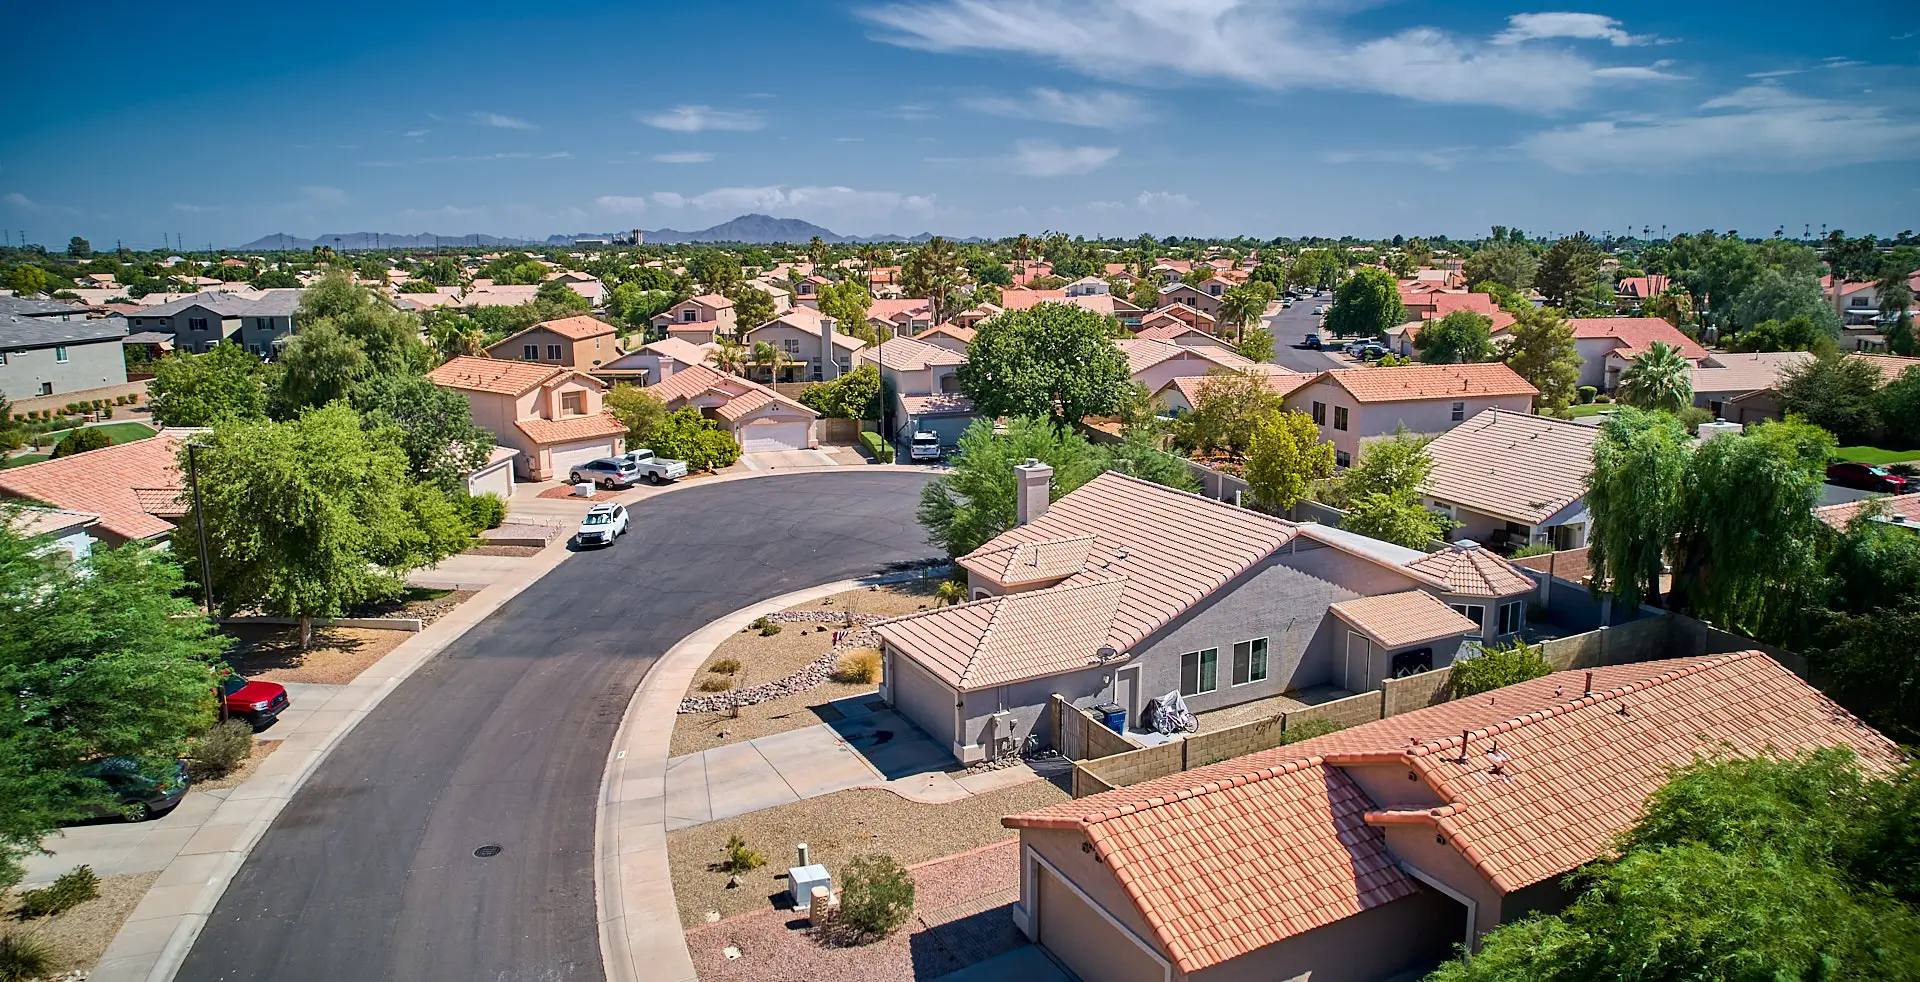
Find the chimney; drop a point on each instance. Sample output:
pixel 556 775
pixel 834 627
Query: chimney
pixel 829 366
pixel 1034 482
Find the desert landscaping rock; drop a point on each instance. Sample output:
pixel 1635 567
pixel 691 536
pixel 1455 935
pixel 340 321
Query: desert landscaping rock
pixel 817 672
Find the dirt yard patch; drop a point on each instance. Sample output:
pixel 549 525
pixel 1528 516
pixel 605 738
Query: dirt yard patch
pixel 337 655
pixel 261 750
pixel 836 828
pixel 82 934
pixel 961 917
pixel 515 552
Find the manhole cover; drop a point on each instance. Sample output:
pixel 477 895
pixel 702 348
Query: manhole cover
pixel 487 851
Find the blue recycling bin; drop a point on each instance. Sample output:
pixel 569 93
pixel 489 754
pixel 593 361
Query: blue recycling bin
pixel 1114 715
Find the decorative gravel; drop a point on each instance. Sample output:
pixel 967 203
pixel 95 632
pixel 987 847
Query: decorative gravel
pixel 816 671
pixel 82 934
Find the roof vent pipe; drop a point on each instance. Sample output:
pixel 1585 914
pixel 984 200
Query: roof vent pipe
pixel 1589 683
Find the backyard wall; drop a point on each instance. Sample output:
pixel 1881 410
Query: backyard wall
pixel 1078 735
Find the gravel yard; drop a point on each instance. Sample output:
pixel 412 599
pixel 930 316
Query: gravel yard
pixel 337 655
pixel 262 749
pixel 960 918
pixel 836 828
pixel 83 933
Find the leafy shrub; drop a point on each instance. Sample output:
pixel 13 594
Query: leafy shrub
pixel 1692 416
pixel 1307 729
pixel 741 859
pixel 725 666
pixel 81 441
pixel 1498 666
pixel 74 887
pixel 1587 393
pixel 860 667
pixel 766 627
pixel 1534 549
pixel 482 511
pixel 876 895
pixel 23 957
pixel 221 749
pixel 881 450
pixel 715 683
pixel 1603 399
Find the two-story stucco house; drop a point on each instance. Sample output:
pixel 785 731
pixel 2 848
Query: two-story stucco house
pixel 580 341
pixel 1607 345
pixel 257 321
pixel 1357 404
pixel 45 356
pixel 799 335
pixel 924 376
pixel 1204 298
pixel 552 415
pixel 698 319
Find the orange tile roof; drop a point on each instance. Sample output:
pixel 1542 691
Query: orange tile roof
pixel 716 301
pixel 743 396
pixel 496 375
pixel 1021 299
pixel 132 486
pixel 1406 383
pixel 891 309
pixel 1890 366
pixel 578 327
pixel 1636 334
pixel 1171 332
pixel 1903 508
pixel 1395 620
pixel 1004 639
pixel 952 330
pixel 1020 563
pixel 1144 353
pixel 1161 313
pixel 690 381
pixel 1473 571
pixel 571 428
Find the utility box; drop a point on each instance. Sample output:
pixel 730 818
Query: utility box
pixel 802 879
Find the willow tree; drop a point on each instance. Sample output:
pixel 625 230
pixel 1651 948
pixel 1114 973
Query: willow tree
pixel 1634 493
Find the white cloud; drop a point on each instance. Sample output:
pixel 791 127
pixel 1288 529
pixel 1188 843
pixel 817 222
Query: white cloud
pixel 556 155
pixel 1275 44
pixel 502 122
pixel 1563 24
pixel 1776 73
pixel 1757 128
pixel 1039 158
pixel 1438 158
pixel 18 200
pixel 912 112
pixel 1156 201
pixel 700 119
pixel 1656 72
pixel 683 157
pixel 1103 109
pixel 416 134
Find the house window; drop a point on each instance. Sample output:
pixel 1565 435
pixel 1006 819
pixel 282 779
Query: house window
pixel 1319 414
pixel 60 353
pixel 46 388
pixel 1472 612
pixel 196 323
pixel 1513 615
pixel 530 352
pixel 1339 417
pixel 791 346
pixel 1459 411
pixel 1199 672
pixel 1250 661
pixel 573 403
pixel 553 352
pixel 1342 459
pixel 687 315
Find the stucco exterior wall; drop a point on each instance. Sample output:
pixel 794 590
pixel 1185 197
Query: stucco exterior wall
pixel 1026 704
pixel 925 701
pixel 89 365
pixel 1186 364
pixel 1407 935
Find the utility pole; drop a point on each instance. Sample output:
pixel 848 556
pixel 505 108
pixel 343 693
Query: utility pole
pixel 200 523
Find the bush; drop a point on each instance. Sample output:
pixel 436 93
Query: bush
pixel 1603 399
pixel 1692 416
pixel 221 749
pixel 741 859
pixel 81 441
pixel 482 511
pixel 1496 667
pixel 73 888
pixel 725 666
pixel 876 895
pixel 1535 549
pixel 23 957
pixel 881 450
pixel 766 627
pixel 715 683
pixel 858 667
pixel 1587 393
pixel 1307 729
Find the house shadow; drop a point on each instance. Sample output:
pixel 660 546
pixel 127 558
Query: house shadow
pixel 953 945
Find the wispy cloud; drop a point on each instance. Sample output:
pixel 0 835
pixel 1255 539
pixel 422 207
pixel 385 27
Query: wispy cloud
pixel 500 121
pixel 913 112
pixel 1039 158
pixel 701 119
pixel 1438 158
pixel 1776 73
pixel 18 200
pixel 1162 201
pixel 1275 44
pixel 1656 72
pixel 1102 109
pixel 1757 128
pixel 416 134
pixel 683 157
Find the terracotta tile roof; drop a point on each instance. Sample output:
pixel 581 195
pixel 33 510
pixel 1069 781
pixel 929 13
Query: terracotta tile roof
pixel 1891 366
pixel 1406 383
pixel 1636 334
pixel 1438 303
pixel 742 396
pixel 123 484
pixel 1169 548
pixel 1169 310
pixel 905 354
pixel 1173 330
pixel 1473 571
pixel 1280 382
pixel 571 428
pixel 1145 353
pixel 1745 372
pixel 1395 620
pixel 1642 287
pixel 680 350
pixel 893 309
pixel 1005 639
pixel 1515 466
pixel 1022 299
pixel 1903 507
pixel 579 327
pixel 691 381
pixel 938 402
pixel 1021 563
pixel 496 375
pixel 952 330
pixel 1569 779
pixel 715 301
pixel 31 522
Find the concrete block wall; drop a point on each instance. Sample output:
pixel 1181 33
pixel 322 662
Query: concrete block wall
pixel 1351 711
pixel 1079 736
pixel 1236 741
pixel 1416 691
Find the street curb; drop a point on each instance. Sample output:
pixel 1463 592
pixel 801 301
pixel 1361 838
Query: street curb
pixel 151 947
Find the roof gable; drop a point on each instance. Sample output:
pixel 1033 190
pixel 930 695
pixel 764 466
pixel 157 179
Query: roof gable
pixel 1516 466
pixel 1410 383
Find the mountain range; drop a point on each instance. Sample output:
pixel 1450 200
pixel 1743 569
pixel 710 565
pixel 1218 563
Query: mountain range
pixel 750 229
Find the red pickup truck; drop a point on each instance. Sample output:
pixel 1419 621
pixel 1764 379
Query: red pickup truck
pixel 256 701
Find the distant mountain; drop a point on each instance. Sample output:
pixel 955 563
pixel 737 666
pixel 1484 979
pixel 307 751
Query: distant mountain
pixel 756 229
pixel 751 229
pixel 344 241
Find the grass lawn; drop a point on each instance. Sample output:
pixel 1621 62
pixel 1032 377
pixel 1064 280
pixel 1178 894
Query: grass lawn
pixel 1591 409
pixel 117 432
pixel 1875 455
pixel 22 460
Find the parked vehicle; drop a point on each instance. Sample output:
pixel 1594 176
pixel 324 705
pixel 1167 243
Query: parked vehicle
pixel 925 446
pixel 136 797
pixel 656 468
pixel 1371 352
pixel 607 472
pixel 1357 346
pixel 1320 311
pixel 1865 477
pixel 1313 341
pixel 604 523
pixel 257 701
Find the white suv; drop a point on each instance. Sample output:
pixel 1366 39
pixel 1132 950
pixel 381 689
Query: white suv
pixel 603 524
pixel 926 446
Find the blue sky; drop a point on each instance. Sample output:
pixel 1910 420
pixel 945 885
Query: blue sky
pixel 965 117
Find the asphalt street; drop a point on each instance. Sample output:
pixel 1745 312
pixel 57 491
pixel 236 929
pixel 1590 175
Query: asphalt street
pixel 370 872
pixel 1290 327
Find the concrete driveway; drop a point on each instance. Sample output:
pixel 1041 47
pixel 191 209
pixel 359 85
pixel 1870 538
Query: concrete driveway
pixel 777 460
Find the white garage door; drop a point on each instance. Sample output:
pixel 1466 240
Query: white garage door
pixel 766 436
pixel 568 454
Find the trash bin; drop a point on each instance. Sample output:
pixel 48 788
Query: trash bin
pixel 1114 715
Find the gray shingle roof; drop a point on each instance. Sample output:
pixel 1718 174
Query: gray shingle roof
pixel 17 333
pixel 38 308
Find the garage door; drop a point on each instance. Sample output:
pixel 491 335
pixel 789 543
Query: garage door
pixel 768 436
pixel 568 454
pixel 1086 942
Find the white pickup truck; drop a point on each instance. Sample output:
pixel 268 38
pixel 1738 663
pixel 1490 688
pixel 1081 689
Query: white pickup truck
pixel 656 468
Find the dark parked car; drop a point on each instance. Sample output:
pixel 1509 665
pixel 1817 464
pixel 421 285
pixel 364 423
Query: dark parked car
pixel 1313 341
pixel 257 701
pixel 136 797
pixel 1865 477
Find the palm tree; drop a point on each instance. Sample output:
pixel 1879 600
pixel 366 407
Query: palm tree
pixel 454 335
pixel 771 356
pixel 1658 378
pixel 1242 307
pixel 950 592
pixel 1896 295
pixel 729 355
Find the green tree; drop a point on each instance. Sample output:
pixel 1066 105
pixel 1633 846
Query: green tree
pixel 1397 465
pixel 390 338
pixel 1284 457
pixel 752 306
pixel 454 334
pixel 1836 393
pixel 561 295
pixel 200 390
pixel 933 273
pixel 1899 407
pixel 1242 307
pixel 313 516
pixel 1228 407
pixel 855 395
pixel 636 409
pixel 1634 491
pixel 1799 333
pixel 1657 378
pixel 1398 518
pixel 1461 336
pixel 26 279
pixel 79 248
pixel 1052 360
pixel 1775 295
pixel 437 432
pixel 103 657
pixel 1146 293
pixel 1568 271
pixel 847 303
pixel 321 364
pixel 1509 265
pixel 1540 348
pixel 684 434
pixel 1367 304
pixel 82 440
pixel 1255 345
pixel 1496 668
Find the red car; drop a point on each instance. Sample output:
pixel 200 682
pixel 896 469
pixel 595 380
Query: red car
pixel 258 702
pixel 1865 477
